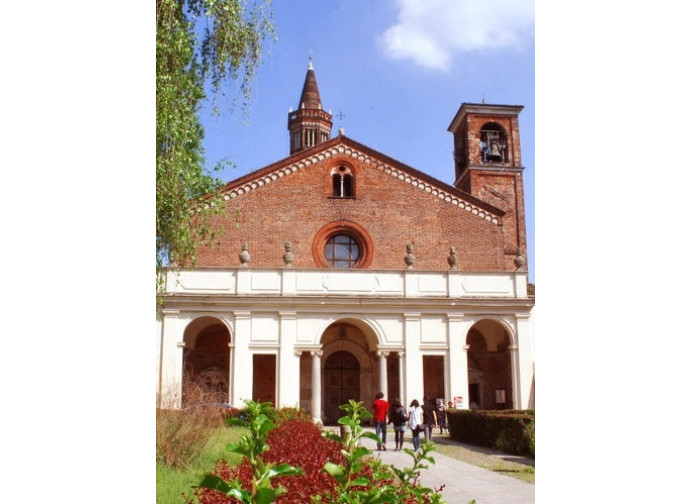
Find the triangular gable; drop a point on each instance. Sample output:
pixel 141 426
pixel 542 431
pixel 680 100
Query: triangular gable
pixel 343 146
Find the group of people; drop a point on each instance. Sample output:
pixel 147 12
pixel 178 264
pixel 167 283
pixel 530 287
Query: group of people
pixel 424 418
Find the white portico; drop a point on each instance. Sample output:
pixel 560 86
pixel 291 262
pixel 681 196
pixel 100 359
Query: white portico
pixel 314 338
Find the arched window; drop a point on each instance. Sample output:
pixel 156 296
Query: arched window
pixel 343 182
pixel 493 145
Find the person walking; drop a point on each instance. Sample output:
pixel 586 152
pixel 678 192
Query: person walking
pixel 380 412
pixel 441 415
pixel 398 418
pixel 415 422
pixel 428 418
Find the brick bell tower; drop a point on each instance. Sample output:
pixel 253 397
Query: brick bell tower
pixel 309 125
pixel 488 164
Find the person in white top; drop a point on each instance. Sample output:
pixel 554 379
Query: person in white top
pixel 415 414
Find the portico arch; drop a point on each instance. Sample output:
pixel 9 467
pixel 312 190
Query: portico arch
pixel 206 361
pixel 489 365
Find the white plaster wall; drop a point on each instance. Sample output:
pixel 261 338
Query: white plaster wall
pixel 319 298
pixel 265 328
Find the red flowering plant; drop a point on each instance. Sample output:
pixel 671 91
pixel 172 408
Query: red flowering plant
pixel 260 489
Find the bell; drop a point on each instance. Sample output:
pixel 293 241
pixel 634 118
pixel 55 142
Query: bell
pixel 495 153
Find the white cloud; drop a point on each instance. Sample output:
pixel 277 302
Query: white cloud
pixel 429 32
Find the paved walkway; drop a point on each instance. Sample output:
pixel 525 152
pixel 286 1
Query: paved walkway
pixel 463 482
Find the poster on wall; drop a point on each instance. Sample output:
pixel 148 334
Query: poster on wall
pixel 458 403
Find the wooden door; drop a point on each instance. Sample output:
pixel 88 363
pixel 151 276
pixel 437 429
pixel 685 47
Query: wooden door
pixel 341 383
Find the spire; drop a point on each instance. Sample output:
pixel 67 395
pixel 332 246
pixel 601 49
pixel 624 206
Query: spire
pixel 309 125
pixel 310 98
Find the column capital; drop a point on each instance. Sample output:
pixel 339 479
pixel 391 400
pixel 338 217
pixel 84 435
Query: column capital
pixel 316 353
pixel 401 353
pixel 242 314
pixel 181 344
pixel 382 353
pixel 513 348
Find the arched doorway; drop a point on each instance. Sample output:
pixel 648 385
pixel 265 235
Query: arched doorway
pixel 341 383
pixel 489 366
pixel 206 362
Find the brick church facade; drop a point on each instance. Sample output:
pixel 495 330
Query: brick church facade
pixel 342 272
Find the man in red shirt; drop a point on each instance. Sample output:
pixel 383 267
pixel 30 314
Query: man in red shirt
pixel 380 413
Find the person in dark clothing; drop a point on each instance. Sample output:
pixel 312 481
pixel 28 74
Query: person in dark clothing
pixel 441 415
pixel 398 418
pixel 429 418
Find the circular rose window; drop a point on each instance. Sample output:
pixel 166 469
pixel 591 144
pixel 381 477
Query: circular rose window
pixel 342 244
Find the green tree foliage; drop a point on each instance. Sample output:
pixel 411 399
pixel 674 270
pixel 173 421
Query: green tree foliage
pixel 201 46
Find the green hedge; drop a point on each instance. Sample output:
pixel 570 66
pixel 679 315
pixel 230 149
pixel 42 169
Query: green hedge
pixel 509 431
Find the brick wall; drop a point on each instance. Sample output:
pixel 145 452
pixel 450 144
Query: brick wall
pixel 392 212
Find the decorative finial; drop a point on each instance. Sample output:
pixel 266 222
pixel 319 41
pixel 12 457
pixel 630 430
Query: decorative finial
pixel 288 256
pixel 244 256
pixel 311 63
pixel 410 258
pixel 452 259
pixel 519 261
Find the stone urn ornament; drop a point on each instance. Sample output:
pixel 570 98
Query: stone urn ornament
pixel 244 256
pixel 519 260
pixel 410 258
pixel 288 256
pixel 452 259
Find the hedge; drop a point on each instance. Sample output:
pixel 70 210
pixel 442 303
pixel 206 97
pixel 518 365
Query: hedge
pixel 509 431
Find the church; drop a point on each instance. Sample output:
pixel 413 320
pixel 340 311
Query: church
pixel 342 272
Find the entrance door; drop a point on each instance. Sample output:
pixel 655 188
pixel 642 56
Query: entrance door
pixel 264 385
pixel 433 377
pixel 341 383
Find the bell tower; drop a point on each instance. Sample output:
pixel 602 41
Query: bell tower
pixel 488 164
pixel 309 125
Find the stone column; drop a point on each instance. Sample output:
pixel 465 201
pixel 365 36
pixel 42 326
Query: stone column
pixel 457 356
pixel 515 371
pixel 288 362
pixel 171 348
pixel 243 370
pixel 316 386
pixel 401 378
pixel 414 377
pixel 522 358
pixel 383 373
pixel 231 347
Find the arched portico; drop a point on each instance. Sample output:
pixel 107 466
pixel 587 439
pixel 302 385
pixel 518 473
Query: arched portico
pixel 491 365
pixel 346 346
pixel 206 361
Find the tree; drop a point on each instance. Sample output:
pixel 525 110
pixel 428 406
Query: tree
pixel 201 45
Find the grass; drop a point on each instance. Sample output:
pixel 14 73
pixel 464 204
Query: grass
pixel 520 468
pixel 172 483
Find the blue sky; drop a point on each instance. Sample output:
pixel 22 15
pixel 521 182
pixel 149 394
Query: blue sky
pixel 398 70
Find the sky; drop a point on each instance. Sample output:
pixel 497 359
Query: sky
pixel 393 73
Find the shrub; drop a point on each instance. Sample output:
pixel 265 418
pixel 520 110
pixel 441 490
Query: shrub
pixel 295 442
pixel 510 431
pixel 182 433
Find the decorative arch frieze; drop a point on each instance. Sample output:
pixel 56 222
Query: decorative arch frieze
pixel 341 151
